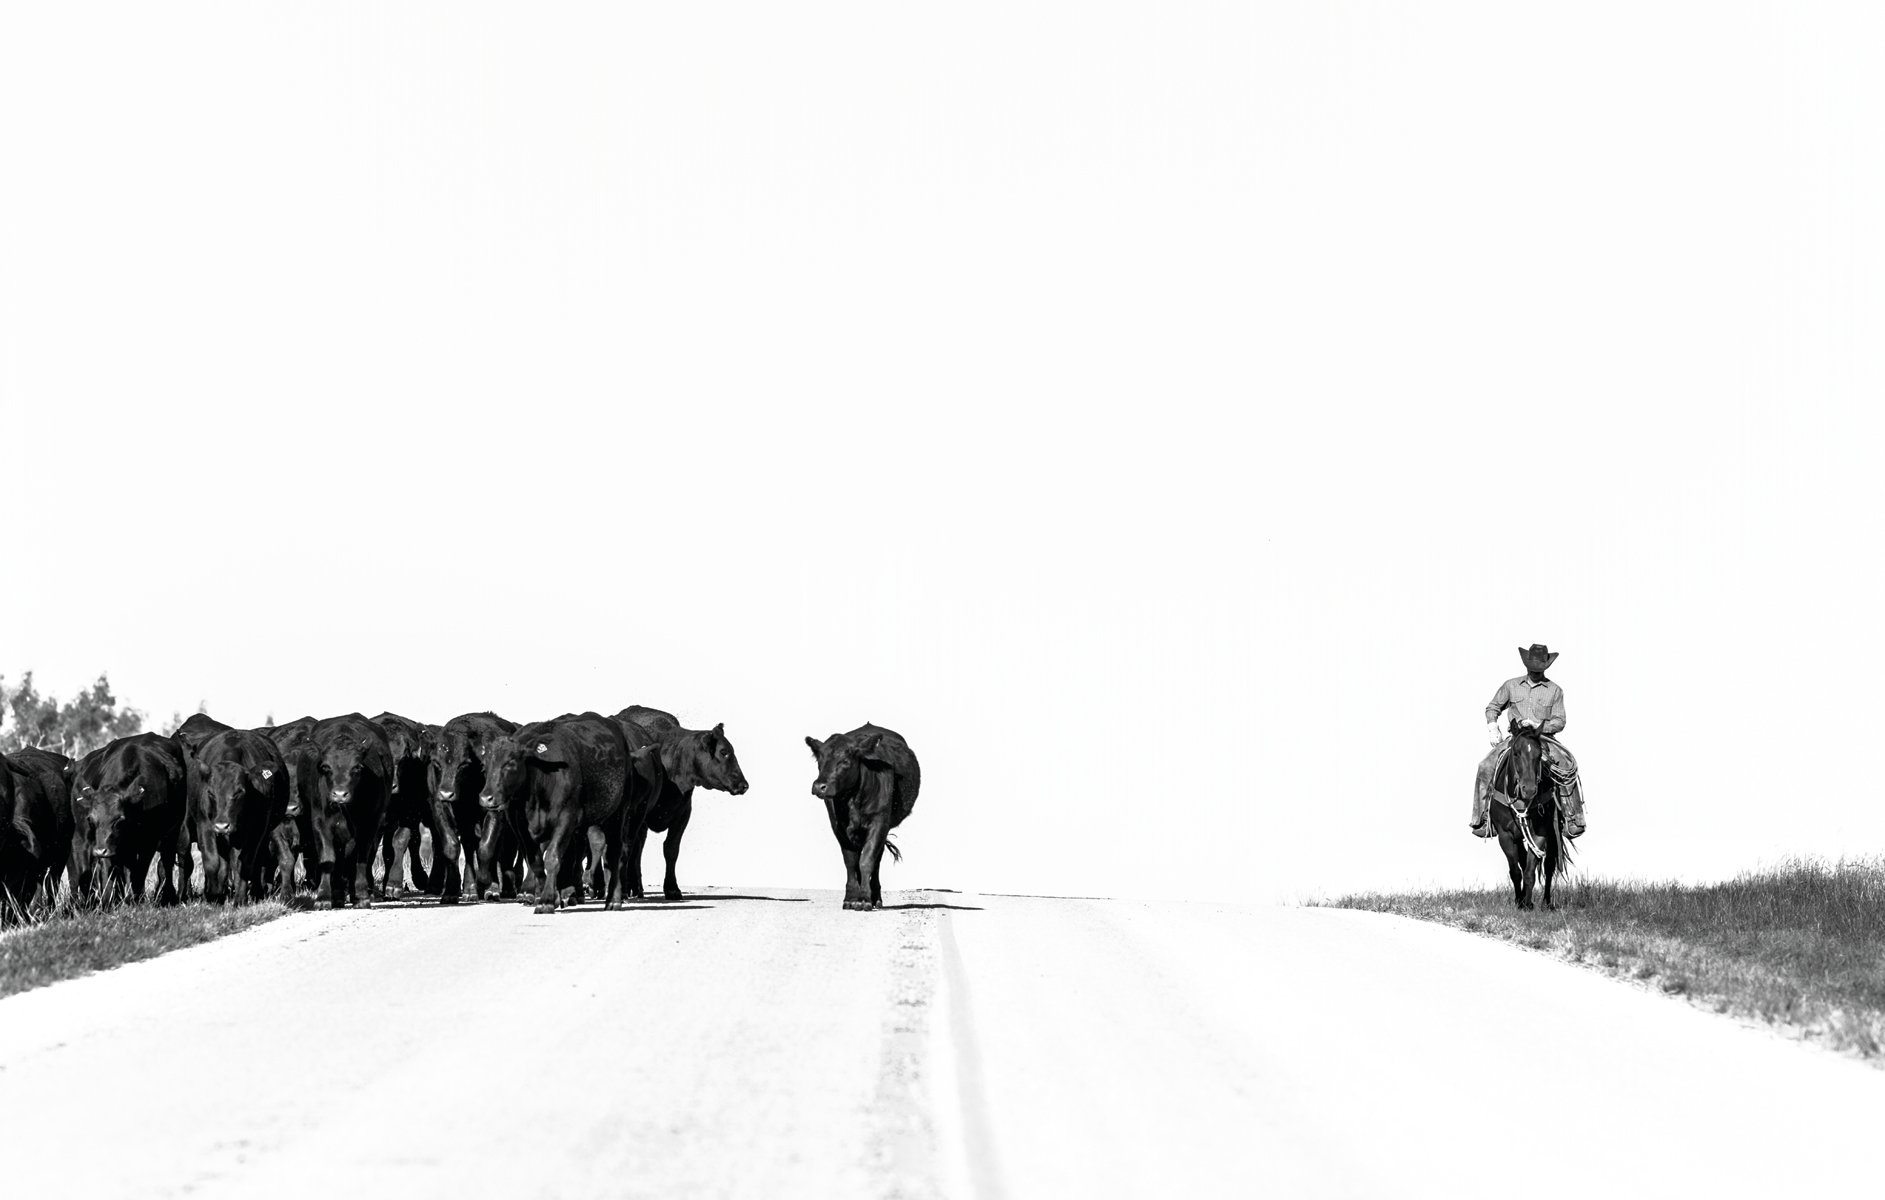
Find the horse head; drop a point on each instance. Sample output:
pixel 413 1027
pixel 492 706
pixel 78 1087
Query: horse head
pixel 1526 762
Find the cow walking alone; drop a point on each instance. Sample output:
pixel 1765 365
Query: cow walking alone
pixel 868 779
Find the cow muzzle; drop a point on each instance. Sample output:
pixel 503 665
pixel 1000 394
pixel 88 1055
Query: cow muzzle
pixel 487 800
pixel 222 826
pixel 446 794
pixel 341 795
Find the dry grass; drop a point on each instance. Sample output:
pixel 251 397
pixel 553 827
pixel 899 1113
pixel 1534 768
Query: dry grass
pixel 1799 946
pixel 68 942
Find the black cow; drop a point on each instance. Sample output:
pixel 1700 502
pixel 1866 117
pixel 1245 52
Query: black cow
pixel 35 827
pixel 303 830
pixel 190 736
pixel 687 758
pixel 571 775
pixel 408 808
pixel 458 755
pixel 239 796
pixel 136 799
pixel 868 780
pixel 81 779
pixel 354 773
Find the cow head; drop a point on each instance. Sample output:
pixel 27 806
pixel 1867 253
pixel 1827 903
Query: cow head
pixel 841 763
pixel 82 785
pixel 229 784
pixel 342 761
pixel 294 752
pixel 404 741
pixel 454 752
pixel 120 790
pixel 704 759
pixel 507 762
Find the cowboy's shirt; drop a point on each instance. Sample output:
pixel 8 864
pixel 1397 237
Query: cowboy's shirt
pixel 1541 703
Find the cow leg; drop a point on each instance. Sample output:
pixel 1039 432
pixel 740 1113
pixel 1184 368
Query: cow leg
pixel 599 863
pixel 869 857
pixel 631 860
pixel 527 867
pixel 140 870
pixel 855 896
pixel 415 868
pixel 490 839
pixel 393 856
pixel 548 889
pixel 186 864
pixel 363 877
pixel 612 852
pixel 427 879
pixel 338 869
pixel 78 865
pixel 445 865
pixel 213 864
pixel 671 851
pixel 232 874
pixel 469 838
pixel 166 870
pixel 284 841
pixel 325 850
pixel 254 862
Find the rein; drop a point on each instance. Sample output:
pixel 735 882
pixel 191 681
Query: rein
pixel 1522 818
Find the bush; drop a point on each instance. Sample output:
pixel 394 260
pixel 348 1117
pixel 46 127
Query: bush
pixel 83 724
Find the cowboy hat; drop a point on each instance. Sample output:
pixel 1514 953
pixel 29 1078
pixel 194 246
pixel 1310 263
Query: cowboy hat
pixel 1537 658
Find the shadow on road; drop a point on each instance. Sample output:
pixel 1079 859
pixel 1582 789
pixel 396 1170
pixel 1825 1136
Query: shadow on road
pixel 632 906
pixel 951 907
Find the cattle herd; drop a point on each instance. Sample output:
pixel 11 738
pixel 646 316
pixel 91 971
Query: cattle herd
pixel 556 811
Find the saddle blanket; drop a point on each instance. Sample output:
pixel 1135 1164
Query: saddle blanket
pixel 1562 765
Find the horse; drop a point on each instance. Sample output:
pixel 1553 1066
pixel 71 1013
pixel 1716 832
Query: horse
pixel 1526 816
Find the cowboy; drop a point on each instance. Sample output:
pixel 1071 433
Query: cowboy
pixel 1538 703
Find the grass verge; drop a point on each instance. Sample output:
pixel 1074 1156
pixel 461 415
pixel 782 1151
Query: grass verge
pixel 71 943
pixel 1799 946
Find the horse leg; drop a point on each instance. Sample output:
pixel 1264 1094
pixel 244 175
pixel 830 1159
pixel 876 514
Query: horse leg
pixel 1513 854
pixel 1554 855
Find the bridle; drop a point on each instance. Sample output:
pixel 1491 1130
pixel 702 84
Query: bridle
pixel 1523 817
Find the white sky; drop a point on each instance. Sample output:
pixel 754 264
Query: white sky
pixel 1170 418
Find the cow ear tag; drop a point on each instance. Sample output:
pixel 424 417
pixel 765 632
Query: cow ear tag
pixel 543 747
pixel 268 773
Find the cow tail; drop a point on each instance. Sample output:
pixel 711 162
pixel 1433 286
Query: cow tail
pixel 892 847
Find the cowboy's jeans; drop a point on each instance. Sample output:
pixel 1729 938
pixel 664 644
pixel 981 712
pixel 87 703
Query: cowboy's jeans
pixel 1563 772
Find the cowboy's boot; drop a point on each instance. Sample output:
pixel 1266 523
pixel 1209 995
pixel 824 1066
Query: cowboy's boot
pixel 1482 793
pixel 1571 799
pixel 1570 785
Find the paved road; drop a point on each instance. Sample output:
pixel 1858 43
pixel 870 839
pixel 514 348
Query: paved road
pixel 765 1043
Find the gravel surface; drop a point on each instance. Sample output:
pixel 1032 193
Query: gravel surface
pixel 765 1043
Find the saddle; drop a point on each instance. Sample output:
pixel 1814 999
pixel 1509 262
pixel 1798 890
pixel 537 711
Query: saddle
pixel 1563 770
